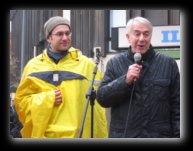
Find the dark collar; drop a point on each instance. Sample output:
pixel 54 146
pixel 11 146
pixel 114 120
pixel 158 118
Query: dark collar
pixel 145 57
pixel 54 55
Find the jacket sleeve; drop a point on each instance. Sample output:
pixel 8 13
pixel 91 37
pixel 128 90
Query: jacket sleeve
pixel 113 88
pixel 175 101
pixel 33 107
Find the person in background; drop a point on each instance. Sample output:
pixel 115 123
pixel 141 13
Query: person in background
pixel 51 97
pixel 144 97
pixel 15 125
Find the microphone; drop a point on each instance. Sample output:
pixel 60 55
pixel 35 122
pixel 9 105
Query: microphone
pixel 137 58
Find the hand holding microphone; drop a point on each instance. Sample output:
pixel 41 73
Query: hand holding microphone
pixel 134 70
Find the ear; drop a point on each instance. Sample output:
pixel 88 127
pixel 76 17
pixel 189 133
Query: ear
pixel 127 36
pixel 48 39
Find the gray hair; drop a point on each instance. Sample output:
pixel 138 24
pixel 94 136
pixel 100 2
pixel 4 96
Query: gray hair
pixel 138 19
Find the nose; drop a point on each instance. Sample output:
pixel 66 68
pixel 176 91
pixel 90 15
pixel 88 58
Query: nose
pixel 141 37
pixel 64 36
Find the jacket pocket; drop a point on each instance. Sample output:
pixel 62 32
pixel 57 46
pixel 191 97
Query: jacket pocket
pixel 116 129
pixel 161 89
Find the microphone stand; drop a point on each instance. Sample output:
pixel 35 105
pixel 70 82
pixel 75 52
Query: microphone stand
pixel 90 95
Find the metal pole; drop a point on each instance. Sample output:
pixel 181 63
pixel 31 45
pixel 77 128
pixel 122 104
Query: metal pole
pixel 23 40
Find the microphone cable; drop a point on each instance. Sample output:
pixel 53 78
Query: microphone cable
pixel 131 98
pixel 137 59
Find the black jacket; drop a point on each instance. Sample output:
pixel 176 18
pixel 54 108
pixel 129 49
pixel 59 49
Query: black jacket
pixel 15 124
pixel 153 110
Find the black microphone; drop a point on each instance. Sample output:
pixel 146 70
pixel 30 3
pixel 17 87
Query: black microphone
pixel 137 58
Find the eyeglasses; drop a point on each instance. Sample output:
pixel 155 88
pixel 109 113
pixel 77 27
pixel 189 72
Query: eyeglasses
pixel 61 34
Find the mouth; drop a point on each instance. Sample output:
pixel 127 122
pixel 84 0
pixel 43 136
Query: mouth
pixel 64 44
pixel 140 46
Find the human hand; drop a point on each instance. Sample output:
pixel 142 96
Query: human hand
pixel 58 97
pixel 133 73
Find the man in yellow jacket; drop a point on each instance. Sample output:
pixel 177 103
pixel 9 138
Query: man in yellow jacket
pixel 51 97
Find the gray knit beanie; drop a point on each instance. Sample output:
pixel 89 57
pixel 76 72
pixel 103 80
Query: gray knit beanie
pixel 53 22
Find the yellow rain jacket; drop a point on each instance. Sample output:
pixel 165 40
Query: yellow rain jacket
pixel 35 97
